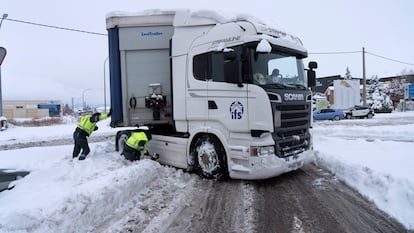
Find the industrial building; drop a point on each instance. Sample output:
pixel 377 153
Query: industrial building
pixel 34 109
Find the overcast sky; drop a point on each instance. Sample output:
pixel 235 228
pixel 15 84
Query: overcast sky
pixel 51 64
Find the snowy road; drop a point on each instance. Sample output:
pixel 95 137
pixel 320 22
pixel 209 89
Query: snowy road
pixel 307 200
pixel 107 194
pixel 52 142
pixel 313 200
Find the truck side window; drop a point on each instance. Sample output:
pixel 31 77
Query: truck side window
pixel 217 66
pixel 213 66
pixel 202 67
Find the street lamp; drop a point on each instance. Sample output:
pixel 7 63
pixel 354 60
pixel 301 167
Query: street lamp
pixel 2 18
pixel 106 59
pixel 83 97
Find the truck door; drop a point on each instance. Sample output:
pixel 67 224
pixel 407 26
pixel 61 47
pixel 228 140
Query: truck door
pixel 227 100
pixel 218 99
pixel 197 88
pixel 227 106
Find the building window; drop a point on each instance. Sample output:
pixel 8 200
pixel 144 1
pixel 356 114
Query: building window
pixel 31 106
pixel 19 107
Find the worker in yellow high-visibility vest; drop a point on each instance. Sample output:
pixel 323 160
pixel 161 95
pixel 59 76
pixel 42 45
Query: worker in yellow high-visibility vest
pixel 84 129
pixel 134 147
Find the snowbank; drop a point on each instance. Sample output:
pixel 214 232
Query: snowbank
pixel 374 156
pixel 57 189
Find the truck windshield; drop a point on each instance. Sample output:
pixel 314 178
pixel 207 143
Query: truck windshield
pixel 278 69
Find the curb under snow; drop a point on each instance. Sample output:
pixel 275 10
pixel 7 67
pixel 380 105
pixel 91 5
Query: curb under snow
pixel 384 190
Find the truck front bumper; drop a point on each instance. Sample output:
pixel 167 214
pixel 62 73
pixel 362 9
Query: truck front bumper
pixel 269 166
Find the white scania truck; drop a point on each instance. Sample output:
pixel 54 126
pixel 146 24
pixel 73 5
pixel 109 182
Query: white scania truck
pixel 226 97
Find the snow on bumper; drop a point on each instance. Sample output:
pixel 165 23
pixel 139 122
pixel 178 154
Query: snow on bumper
pixel 268 166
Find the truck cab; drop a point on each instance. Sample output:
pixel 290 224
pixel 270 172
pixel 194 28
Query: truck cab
pixel 221 96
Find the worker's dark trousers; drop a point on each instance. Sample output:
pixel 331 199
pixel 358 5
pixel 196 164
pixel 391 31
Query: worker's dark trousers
pixel 130 153
pixel 81 143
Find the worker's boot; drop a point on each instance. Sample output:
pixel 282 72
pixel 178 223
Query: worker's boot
pixel 82 157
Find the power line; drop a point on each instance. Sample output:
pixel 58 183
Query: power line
pixel 390 59
pixel 373 54
pixel 343 52
pixel 102 34
pixel 55 27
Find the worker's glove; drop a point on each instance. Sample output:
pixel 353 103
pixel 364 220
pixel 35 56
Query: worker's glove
pixel 96 128
pixel 155 156
pixel 141 146
pixel 110 112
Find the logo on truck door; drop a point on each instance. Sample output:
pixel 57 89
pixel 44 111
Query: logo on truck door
pixel 236 110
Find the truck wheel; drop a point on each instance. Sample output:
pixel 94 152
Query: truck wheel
pixel 121 137
pixel 369 116
pixel 210 158
pixel 348 116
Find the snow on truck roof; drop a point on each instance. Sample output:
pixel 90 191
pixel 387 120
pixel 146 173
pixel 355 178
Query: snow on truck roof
pixel 214 16
pixel 186 17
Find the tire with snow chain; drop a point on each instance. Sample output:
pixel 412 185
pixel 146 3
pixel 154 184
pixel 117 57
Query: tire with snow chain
pixel 210 158
pixel 121 137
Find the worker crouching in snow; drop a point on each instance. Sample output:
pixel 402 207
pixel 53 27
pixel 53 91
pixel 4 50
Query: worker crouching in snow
pixel 84 129
pixel 135 146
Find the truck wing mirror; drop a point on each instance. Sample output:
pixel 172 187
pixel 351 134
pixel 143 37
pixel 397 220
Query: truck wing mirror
pixel 230 56
pixel 311 73
pixel 313 65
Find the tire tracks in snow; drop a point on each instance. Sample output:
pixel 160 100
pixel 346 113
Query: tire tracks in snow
pixel 188 203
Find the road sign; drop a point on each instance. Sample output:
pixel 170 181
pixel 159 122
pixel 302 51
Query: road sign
pixel 410 91
pixel 3 53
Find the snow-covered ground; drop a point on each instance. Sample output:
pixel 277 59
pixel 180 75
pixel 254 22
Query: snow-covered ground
pixel 374 156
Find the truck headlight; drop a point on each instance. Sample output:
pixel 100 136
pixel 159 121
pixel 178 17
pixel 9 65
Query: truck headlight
pixel 262 150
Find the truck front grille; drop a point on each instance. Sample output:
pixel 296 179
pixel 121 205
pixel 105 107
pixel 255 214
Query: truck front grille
pixel 292 137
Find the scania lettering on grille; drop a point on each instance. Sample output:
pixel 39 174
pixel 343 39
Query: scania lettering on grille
pixel 294 97
pixel 236 110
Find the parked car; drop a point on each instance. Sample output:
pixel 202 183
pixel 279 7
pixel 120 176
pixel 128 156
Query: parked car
pixel 328 114
pixel 3 123
pixel 359 112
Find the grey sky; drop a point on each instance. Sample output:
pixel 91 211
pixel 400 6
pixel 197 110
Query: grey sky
pixel 51 64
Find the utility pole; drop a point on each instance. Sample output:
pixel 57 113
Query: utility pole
pixel 364 80
pixel 3 52
pixel 73 105
pixel 106 59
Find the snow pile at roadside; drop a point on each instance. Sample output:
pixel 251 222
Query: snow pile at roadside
pixel 59 191
pixel 391 194
pixel 376 160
